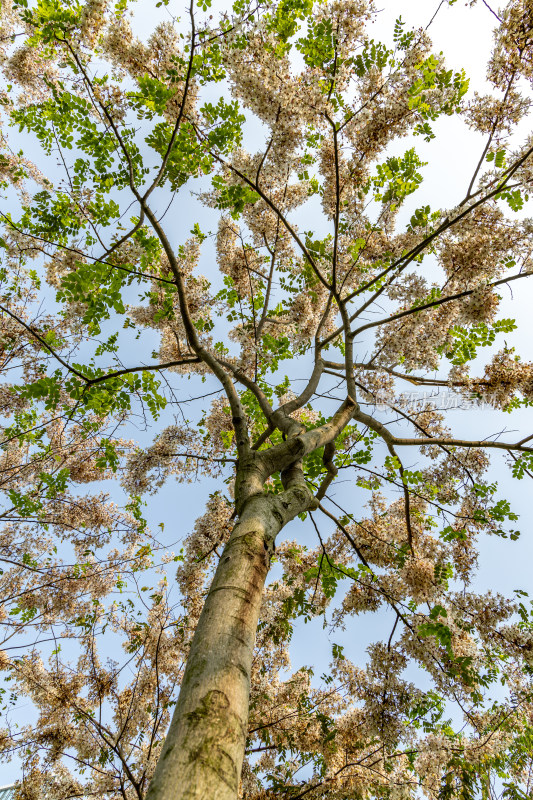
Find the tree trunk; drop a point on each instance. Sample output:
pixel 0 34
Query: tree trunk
pixel 203 752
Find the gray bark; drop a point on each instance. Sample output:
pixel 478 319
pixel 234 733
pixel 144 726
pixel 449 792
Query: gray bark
pixel 203 752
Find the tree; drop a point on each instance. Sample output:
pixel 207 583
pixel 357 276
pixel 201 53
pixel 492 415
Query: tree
pixel 379 293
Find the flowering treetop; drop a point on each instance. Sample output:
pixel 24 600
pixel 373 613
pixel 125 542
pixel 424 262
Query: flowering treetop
pixel 322 265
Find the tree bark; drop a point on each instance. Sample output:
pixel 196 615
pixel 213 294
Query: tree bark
pixel 203 752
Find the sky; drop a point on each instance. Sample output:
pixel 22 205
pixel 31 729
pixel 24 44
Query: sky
pixel 464 35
